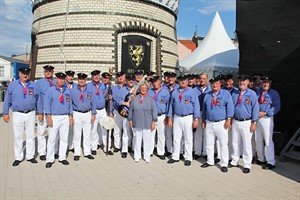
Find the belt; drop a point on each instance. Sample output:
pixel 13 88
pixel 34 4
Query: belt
pixel 25 112
pixel 100 108
pixel 241 120
pixel 160 114
pixel 82 111
pixel 185 115
pixel 217 120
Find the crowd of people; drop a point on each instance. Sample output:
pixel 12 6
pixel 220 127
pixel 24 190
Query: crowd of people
pixel 181 117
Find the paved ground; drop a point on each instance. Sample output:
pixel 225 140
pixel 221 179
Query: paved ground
pixel 116 178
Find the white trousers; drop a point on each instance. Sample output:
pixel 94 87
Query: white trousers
pixel 122 124
pixel 199 142
pixel 215 130
pixel 82 123
pixel 71 136
pixel 139 136
pixel 161 136
pixel 23 121
pixel 264 140
pixel 169 139
pixel 60 129
pixel 41 136
pixel 241 134
pixel 98 132
pixel 183 126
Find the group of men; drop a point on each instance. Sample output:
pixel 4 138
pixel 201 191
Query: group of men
pixel 194 119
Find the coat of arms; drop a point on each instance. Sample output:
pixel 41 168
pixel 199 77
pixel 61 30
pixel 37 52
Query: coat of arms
pixel 136 53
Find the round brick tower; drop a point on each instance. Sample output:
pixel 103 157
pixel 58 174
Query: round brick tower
pixel 109 35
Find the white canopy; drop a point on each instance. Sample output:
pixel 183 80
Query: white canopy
pixel 214 52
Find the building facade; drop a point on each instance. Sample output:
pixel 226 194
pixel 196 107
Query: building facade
pixel 110 35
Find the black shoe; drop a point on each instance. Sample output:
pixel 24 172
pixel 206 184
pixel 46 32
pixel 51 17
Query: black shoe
pixel 110 153
pixel 171 161
pixel 49 164
pixel 181 157
pixel 72 150
pixel 76 158
pixel 196 157
pixel 94 152
pixel 124 155
pixel 43 157
pixel 162 157
pixel 206 165
pixel 33 160
pixel 187 163
pixel 217 160
pixel 260 162
pixel 230 165
pixel 167 154
pixel 16 163
pixel 56 156
pixel 268 167
pixel 64 162
pixel 98 146
pixel 246 170
pixel 224 169
pixel 89 157
pixel 205 157
pixel 116 150
pixel 129 149
pixel 151 155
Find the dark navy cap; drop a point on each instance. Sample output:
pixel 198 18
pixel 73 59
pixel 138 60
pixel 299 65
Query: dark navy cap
pixel 60 75
pixel 266 78
pixel 138 72
pixel 48 67
pixel 257 74
pixel 192 76
pixel 106 75
pixel 214 79
pixel 130 77
pixel 182 77
pixel 228 76
pixel 24 70
pixel 154 79
pixel 150 73
pixel 95 72
pixel 243 77
pixel 166 73
pixel 70 73
pixel 81 76
pixel 221 77
pixel 118 74
pixel 172 74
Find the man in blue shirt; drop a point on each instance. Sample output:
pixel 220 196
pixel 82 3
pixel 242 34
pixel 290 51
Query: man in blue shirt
pixel 84 111
pixel 21 97
pixel 184 106
pixel 269 105
pixel 42 85
pixel 58 108
pixel 161 97
pixel 217 112
pixel 243 123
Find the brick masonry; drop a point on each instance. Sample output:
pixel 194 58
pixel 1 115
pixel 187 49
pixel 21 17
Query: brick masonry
pixel 84 35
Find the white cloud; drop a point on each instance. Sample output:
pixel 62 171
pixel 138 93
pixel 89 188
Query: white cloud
pixel 211 6
pixel 15 26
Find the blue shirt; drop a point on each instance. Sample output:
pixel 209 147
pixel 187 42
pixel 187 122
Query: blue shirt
pixel 101 94
pixel 248 108
pixel 201 94
pixel 219 110
pixel 52 104
pixel 271 102
pixel 42 85
pixel 70 86
pixel 17 100
pixel 88 101
pixel 118 95
pixel 167 87
pixel 188 104
pixel 230 90
pixel 162 99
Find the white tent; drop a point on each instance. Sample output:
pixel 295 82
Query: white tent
pixel 216 54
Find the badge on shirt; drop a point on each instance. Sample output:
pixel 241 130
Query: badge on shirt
pixel 247 100
pixel 88 96
pixel 162 100
pixel 30 92
pixel 186 100
pixel 67 98
pixel 104 92
pixel 266 100
pixel 218 102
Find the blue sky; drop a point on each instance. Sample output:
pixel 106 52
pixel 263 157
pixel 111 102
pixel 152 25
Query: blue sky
pixel 16 19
